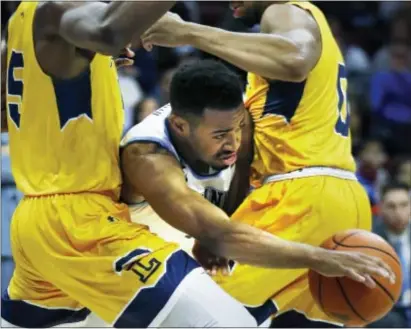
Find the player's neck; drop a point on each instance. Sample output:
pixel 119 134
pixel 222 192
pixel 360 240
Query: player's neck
pixel 185 152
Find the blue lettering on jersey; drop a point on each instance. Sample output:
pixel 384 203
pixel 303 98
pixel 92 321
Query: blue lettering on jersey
pixel 215 196
pixel 15 86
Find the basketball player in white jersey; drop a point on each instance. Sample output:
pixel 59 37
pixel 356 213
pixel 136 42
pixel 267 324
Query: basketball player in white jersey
pixel 185 153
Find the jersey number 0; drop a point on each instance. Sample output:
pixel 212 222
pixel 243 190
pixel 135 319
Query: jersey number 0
pixel 342 127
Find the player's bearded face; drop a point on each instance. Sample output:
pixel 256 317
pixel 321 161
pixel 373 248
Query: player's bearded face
pixel 217 137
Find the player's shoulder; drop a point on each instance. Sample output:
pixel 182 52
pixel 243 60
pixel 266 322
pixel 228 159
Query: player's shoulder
pixel 141 148
pixel 47 16
pixel 287 16
pixel 49 9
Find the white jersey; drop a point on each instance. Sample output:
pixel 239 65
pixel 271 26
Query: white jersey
pixel 154 129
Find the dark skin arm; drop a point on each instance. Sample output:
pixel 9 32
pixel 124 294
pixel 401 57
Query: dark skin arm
pixel 240 184
pixel 4 84
pixel 239 189
pixel 67 34
pixel 188 211
pixel 287 48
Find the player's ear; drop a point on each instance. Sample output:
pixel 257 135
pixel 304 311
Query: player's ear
pixel 179 124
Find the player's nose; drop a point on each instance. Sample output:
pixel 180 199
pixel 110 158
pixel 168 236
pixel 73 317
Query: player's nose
pixel 233 141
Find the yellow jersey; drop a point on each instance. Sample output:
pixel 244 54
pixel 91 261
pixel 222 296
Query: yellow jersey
pixel 303 124
pixel 64 134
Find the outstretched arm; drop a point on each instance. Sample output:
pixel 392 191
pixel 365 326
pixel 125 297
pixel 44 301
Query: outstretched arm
pixel 287 48
pixel 97 26
pixel 187 211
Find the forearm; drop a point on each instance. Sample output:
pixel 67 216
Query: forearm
pixel 111 26
pixel 268 55
pixel 4 127
pixel 208 224
pixel 240 242
pixel 239 189
pixel 249 245
pixel 189 212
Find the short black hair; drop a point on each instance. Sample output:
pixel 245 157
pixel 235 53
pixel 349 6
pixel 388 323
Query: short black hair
pixel 203 84
pixel 394 186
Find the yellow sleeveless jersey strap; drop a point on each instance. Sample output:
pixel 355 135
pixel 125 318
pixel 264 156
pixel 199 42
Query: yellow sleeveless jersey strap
pixel 303 4
pixel 21 23
pixel 314 10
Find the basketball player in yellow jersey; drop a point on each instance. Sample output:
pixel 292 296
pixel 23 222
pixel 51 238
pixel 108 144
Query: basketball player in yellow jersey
pixel 302 164
pixel 74 245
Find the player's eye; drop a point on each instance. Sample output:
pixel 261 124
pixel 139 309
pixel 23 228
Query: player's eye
pixel 219 137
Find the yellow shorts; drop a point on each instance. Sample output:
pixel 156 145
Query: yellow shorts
pixel 76 253
pixel 307 210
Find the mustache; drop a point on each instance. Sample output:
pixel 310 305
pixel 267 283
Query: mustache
pixel 224 153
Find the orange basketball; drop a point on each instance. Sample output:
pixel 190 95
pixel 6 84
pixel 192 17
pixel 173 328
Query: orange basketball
pixel 351 302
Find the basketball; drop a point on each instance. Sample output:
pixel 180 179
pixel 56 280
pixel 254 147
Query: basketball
pixel 351 302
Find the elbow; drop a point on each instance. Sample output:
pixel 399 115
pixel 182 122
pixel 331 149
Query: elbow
pixel 109 41
pixel 294 67
pixel 294 64
pixel 297 68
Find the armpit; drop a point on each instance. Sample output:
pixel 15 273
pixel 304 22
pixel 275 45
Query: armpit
pixel 146 148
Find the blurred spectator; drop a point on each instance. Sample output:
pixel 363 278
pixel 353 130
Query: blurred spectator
pixel 130 91
pixel 147 72
pixel 10 197
pixel 399 33
pixel 355 126
pixel 402 171
pixel 388 9
pixel 370 171
pixel 7 9
pixel 165 82
pixel 394 226
pixel 144 109
pixel 356 59
pixel 391 100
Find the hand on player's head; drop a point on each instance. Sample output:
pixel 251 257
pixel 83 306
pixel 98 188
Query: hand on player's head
pixel 355 265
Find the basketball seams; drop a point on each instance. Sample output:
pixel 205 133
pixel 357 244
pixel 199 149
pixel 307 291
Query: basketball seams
pixel 345 238
pixel 355 310
pixel 347 300
pixel 382 287
pixel 367 247
pixel 320 291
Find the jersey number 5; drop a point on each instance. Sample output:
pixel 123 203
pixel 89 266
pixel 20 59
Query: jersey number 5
pixel 342 127
pixel 15 86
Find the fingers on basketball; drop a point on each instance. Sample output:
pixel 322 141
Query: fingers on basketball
pixel 349 299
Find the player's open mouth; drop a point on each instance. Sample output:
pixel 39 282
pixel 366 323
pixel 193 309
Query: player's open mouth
pixel 230 159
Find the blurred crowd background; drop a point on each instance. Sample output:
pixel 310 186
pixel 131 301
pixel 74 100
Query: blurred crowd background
pixel 375 38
